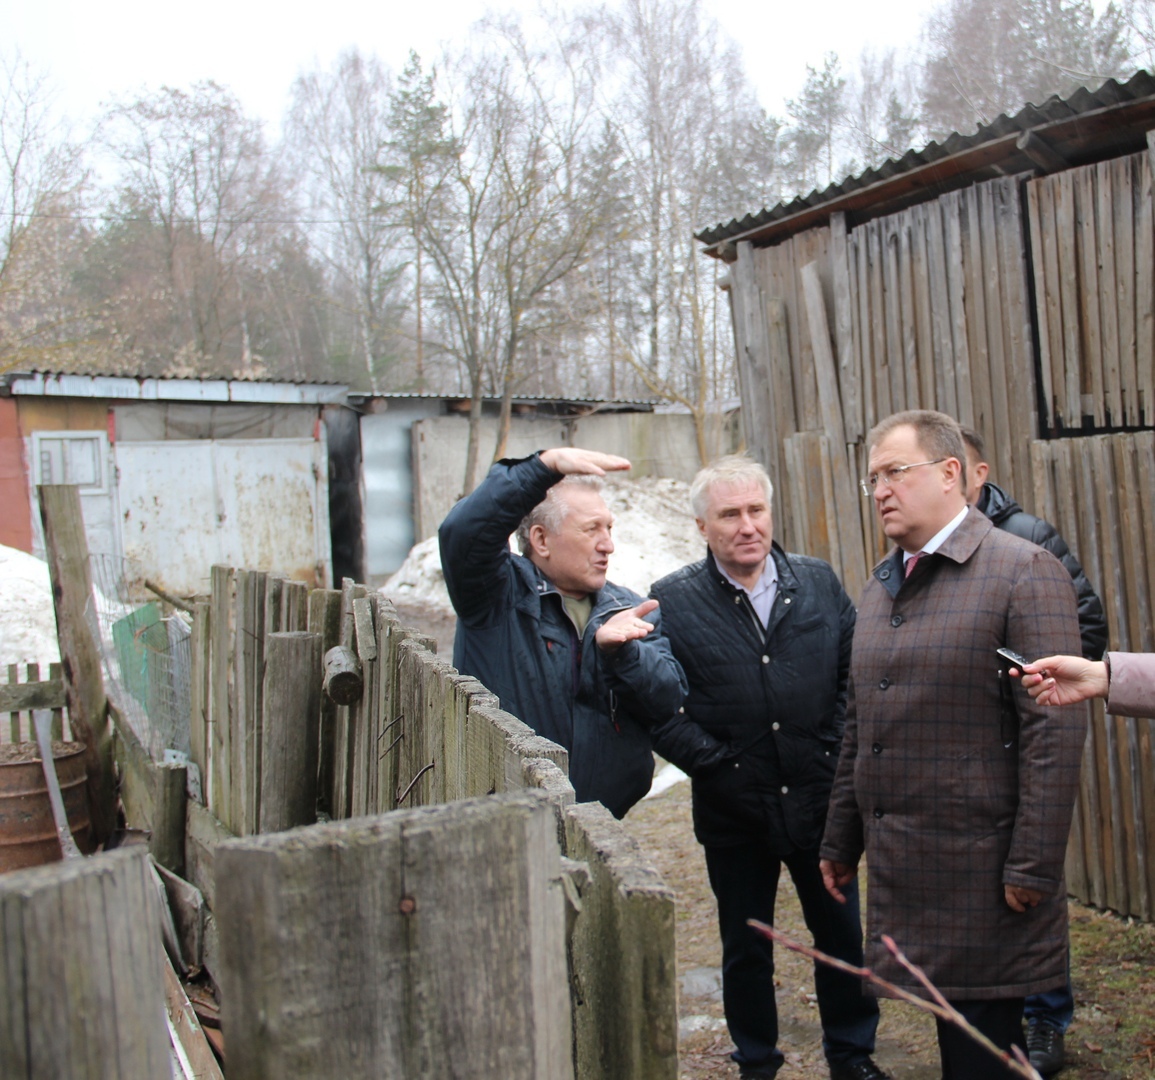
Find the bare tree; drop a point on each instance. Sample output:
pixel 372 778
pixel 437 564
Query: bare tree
pixel 337 129
pixel 986 57
pixel 41 178
pixel 505 215
pixel 200 205
pixel 696 149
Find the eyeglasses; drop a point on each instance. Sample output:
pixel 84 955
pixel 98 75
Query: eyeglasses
pixel 894 475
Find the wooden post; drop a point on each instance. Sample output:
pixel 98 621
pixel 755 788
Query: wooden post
pixel 325 619
pixel 377 947
pixel 222 698
pixel 292 704
pixel 249 661
pixel 67 549
pixel 200 690
pixel 81 977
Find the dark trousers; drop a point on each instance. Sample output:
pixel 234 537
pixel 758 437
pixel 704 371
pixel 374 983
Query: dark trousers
pixel 1000 1020
pixel 745 882
pixel 1055 1007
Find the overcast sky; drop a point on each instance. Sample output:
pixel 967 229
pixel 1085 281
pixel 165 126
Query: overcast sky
pixel 98 49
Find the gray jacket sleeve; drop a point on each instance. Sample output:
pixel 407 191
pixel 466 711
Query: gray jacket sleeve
pixel 1132 689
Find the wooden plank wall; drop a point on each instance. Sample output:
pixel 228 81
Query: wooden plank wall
pixel 938 307
pixel 1093 236
pixel 927 308
pixel 1100 494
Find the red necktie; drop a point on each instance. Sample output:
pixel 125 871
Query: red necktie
pixel 911 561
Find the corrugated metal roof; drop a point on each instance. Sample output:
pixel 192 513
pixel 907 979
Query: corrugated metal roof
pixel 1085 127
pixel 120 388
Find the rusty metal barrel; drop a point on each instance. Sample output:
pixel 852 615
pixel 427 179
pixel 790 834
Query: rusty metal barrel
pixel 27 828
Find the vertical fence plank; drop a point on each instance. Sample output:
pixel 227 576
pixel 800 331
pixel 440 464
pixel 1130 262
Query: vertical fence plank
pixel 324 618
pixel 1094 403
pixel 849 368
pixel 1145 288
pixel 1045 253
pixel 1123 205
pixel 1067 360
pixel 220 781
pixel 292 703
pixel 1109 280
pixel 80 975
pixel 248 659
pixel 200 688
pixel 365 922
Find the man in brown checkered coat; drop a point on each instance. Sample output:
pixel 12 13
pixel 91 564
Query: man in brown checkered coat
pixel 953 783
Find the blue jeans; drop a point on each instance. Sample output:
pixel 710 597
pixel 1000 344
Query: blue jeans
pixel 745 882
pixel 1055 1007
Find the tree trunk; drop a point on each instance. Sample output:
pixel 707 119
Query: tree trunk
pixel 473 448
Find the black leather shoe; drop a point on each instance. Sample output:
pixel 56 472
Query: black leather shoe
pixel 1045 1047
pixel 858 1070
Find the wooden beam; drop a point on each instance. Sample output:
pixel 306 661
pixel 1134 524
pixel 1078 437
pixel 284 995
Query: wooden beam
pixel 67 551
pixel 19 697
pixel 1041 152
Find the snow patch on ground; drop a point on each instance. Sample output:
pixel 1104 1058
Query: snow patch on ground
pixel 27 619
pixel 654 534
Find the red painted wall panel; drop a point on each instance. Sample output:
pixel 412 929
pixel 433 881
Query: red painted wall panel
pixel 15 512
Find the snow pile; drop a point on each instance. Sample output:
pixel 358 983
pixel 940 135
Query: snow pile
pixel 419 579
pixel 27 620
pixel 654 534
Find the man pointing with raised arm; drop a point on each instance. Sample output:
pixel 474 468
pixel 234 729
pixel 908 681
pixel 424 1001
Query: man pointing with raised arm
pixel 580 660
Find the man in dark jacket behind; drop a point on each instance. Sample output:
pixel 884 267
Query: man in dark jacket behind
pixel 1007 515
pixel 764 638
pixel 578 659
pixel 1048 1014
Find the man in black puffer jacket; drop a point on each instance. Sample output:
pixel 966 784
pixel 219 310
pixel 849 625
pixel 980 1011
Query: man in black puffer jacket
pixel 1048 1014
pixel 764 638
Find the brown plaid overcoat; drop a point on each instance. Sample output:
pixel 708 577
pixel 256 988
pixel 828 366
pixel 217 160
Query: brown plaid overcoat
pixel 951 780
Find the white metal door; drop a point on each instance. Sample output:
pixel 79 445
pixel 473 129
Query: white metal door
pixel 259 504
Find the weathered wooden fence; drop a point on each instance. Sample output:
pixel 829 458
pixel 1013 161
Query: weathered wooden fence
pixel 81 970
pixel 19 696
pixel 1025 307
pixel 271 752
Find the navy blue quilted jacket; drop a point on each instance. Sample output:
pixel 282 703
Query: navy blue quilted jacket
pixel 513 635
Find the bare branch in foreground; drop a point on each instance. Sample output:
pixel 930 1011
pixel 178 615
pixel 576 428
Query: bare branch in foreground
pixel 940 1008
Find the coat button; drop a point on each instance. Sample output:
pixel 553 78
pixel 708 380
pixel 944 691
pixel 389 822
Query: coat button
pixel 877 748
pixel 765 659
pixel 775 726
pixel 785 789
pixel 878 813
pixel 896 620
pixel 786 599
pixel 883 684
pixel 681 708
pixel 737 599
pixel 883 574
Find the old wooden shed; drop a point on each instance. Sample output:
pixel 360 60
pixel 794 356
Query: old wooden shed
pixel 1007 278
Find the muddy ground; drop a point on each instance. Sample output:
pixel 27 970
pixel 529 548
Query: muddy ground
pixel 1113 966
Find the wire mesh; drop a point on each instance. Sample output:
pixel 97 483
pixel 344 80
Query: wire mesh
pixel 147 653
